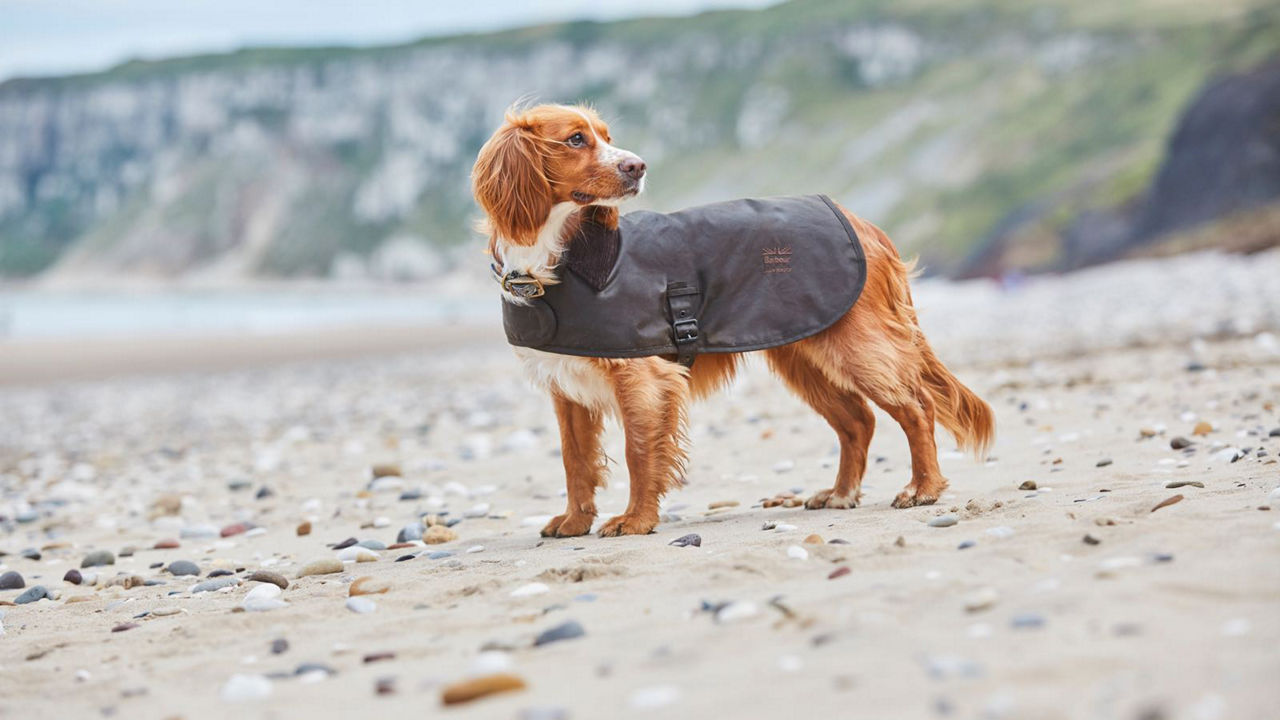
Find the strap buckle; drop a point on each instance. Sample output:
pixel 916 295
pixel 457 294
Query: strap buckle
pixel 682 299
pixel 519 284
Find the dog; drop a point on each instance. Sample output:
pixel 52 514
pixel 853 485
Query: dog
pixel 551 169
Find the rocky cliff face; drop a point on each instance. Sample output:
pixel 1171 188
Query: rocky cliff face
pixel 932 121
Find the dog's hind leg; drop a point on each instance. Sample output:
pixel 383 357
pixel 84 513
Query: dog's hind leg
pixel 653 398
pixel 847 413
pixel 584 466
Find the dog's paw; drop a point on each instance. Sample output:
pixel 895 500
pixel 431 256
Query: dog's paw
pixel 911 498
pixel 569 525
pixel 829 499
pixel 628 524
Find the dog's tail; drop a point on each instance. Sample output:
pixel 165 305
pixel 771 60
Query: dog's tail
pixel 956 407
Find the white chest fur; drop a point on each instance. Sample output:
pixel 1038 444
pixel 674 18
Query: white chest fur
pixel 578 379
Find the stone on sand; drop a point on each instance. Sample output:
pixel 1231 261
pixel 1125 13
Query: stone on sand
pixel 323 566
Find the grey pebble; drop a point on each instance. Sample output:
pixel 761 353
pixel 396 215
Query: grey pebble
pixel 1178 443
pixel 1275 432
pixel 310 667
pixel 693 539
pixel 439 555
pixel 944 521
pixel 279 645
pixel 98 558
pixel 345 544
pixel 239 485
pixel 199 532
pixel 1027 621
pixel 402 558
pixel 30 554
pixel 12 580
pixel 1103 462
pixel 218 584
pixel 410 532
pixel 965 545
pixel 219 573
pixel 372 544
pixel 544 713
pixel 34 593
pixel 837 541
pixel 410 495
pixel 183 567
pixel 564 631
pixel 27 516
pixel 263 493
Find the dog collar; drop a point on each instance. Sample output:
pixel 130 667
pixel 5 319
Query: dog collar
pixel 518 283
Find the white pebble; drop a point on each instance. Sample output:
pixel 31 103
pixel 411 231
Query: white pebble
pixel 797 552
pixel 244 687
pixel 356 553
pixel 477 511
pixel 536 520
pixel 981 599
pixel 1000 531
pixel 783 466
pixel 83 675
pixel 735 611
pixel 361 604
pixel 536 588
pixel 784 527
pixel 790 663
pixel 1226 455
pixel 655 697
pixel 475 549
pixel 490 662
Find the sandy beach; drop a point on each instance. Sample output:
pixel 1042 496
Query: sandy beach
pixel 1114 557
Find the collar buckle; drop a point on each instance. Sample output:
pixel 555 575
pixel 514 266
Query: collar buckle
pixel 520 284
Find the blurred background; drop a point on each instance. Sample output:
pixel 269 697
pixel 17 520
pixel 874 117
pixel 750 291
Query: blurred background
pixel 223 167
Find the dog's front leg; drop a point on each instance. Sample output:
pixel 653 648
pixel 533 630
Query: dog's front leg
pixel 652 398
pixel 584 466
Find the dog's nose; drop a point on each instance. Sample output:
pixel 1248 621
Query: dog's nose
pixel 633 167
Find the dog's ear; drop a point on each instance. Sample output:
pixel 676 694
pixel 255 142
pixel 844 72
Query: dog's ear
pixel 510 183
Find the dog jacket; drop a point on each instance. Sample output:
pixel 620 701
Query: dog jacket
pixel 727 277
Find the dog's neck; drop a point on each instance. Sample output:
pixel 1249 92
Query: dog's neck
pixel 541 260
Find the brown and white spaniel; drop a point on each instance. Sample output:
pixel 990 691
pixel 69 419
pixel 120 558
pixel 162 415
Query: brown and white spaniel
pixel 551 167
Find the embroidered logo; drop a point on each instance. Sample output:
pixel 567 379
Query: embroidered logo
pixel 776 259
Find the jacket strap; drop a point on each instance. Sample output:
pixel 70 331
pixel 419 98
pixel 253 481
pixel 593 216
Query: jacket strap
pixel 683 304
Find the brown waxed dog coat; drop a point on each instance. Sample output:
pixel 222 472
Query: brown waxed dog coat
pixel 727 277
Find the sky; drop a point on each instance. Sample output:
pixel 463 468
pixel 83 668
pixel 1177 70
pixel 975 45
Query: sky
pixel 52 37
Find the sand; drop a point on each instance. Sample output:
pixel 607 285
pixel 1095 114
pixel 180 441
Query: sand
pixel 1171 614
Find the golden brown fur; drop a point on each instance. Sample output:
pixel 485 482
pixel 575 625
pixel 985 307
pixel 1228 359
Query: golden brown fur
pixel 876 353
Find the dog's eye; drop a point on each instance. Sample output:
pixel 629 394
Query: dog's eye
pixel 576 140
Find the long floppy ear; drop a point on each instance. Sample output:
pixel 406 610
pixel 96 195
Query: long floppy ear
pixel 509 181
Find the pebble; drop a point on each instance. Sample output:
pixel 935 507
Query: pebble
pixel 263 597
pixel 797 553
pixel 98 558
pixel 219 573
pixel 325 566
pixel 693 539
pixel 1000 532
pixel 183 567
pixel 166 544
pixel 361 605
pixel 1227 455
pixel 943 521
pixel 839 572
pixel 123 627
pixel 266 576
pixel 30 554
pixel 215 584
pixel 373 544
pixel 783 466
pixel 345 544
pixel 1202 429
pixel 1184 483
pixel 1167 502
pixel 245 687
pixel 385 686
pixel 1178 443
pixel 410 532
pixel 32 594
pixel 1091 540
pixel 279 646
pixel 166 611
pixel 475 549
pixel 722 504
pixel 814 539
pixel 1027 621
pixel 564 631
pixel 439 555
pixel 736 611
pixel 12 580
pixel 655 697
pixel 548 712
pixel 368 585
pixel 536 588
pixel 1103 462
pixel 476 688
pixel 965 544
pixel 234 529
pixel 1028 485
pixel 199 532
pixel 303 528
pixel 477 511
pixel 981 599
pixel 356 553
pixel 73 576
pixel 437 534
pixel 489 662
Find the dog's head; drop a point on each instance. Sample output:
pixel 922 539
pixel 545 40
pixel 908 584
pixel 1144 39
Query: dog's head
pixel 546 156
